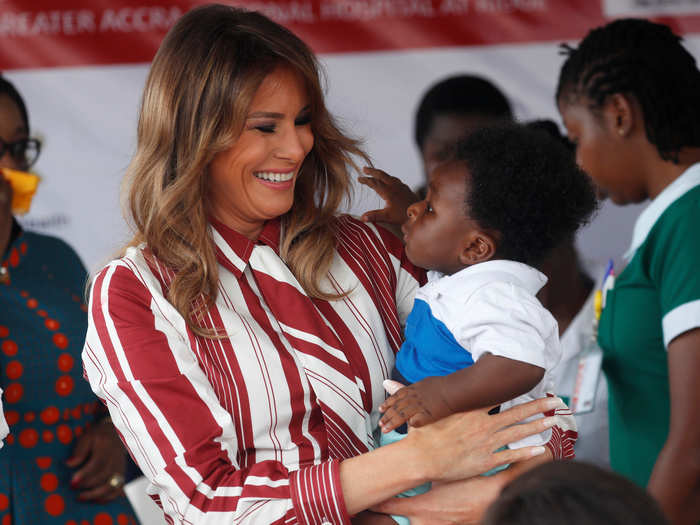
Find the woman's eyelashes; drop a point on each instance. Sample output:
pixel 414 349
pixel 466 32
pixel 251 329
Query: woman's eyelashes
pixel 303 120
pixel 265 128
pixel 271 127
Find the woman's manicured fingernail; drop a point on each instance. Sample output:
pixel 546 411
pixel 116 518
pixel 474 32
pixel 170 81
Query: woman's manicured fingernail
pixel 538 451
pixel 549 422
pixel 554 402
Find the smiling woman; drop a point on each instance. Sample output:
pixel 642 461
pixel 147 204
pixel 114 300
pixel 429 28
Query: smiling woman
pixel 241 341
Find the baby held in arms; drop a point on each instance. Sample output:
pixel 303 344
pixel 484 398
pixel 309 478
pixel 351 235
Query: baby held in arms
pixel 477 335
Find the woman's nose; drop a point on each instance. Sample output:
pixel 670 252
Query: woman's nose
pixel 293 144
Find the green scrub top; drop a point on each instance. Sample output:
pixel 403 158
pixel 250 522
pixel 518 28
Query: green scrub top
pixel 654 299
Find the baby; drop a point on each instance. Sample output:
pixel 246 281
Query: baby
pixel 477 335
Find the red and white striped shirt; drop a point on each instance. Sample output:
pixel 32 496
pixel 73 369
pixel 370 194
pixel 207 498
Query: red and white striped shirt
pixel 251 428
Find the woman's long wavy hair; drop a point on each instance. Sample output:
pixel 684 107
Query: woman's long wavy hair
pixel 201 83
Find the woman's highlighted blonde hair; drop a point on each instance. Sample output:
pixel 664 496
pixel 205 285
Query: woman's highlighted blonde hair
pixel 201 83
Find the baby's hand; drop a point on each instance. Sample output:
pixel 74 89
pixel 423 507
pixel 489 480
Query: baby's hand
pixel 417 404
pixel 397 195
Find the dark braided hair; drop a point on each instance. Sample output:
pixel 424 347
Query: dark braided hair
pixel 647 61
pixel 524 184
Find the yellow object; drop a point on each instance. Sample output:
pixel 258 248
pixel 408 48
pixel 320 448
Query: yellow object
pixel 23 188
pixel 598 304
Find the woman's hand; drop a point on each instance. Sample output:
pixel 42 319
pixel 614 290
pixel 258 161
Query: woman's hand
pixel 101 461
pixel 462 502
pixel 397 195
pixel 468 441
pixel 456 447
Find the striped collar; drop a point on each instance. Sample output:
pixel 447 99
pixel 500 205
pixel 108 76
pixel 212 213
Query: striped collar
pixel 687 180
pixel 233 249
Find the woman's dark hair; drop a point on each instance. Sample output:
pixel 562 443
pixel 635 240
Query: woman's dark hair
pixel 644 60
pixel 7 88
pixel 460 95
pixel 525 184
pixel 574 493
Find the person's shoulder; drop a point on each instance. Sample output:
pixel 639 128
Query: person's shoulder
pixel 499 279
pixel 348 228
pixel 351 225
pixel 674 232
pixel 682 213
pixel 131 270
pixel 54 249
pixel 514 301
pixel 50 242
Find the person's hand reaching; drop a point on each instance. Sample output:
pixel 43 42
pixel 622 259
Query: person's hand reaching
pixel 398 197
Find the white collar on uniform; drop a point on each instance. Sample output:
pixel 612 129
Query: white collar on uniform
pixel 518 273
pixel 646 220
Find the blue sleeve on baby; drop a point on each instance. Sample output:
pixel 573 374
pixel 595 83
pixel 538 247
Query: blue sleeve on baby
pixel 429 349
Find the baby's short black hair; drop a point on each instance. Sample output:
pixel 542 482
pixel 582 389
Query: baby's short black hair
pixel 525 184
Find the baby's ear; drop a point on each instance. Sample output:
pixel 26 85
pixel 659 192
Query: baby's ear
pixel 479 247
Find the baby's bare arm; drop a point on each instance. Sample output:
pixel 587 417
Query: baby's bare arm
pixel 490 381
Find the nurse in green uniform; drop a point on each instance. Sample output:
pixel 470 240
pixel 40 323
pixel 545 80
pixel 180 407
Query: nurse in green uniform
pixel 629 96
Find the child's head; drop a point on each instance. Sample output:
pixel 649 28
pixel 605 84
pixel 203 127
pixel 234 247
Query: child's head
pixel 574 493
pixel 509 192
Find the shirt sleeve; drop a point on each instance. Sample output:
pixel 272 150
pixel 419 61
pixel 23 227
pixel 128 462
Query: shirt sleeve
pixel 168 415
pixel 504 320
pixel 674 264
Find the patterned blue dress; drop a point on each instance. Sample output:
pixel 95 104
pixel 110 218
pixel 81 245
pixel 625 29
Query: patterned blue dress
pixel 47 402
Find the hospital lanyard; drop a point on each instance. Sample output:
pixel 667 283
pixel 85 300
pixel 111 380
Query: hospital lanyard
pixel 591 357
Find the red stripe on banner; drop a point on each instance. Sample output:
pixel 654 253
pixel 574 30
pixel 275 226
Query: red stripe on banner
pixel 90 32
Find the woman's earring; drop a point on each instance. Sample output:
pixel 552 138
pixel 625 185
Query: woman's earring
pixel 621 131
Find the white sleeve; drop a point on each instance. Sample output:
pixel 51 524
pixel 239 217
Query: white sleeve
pixel 504 320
